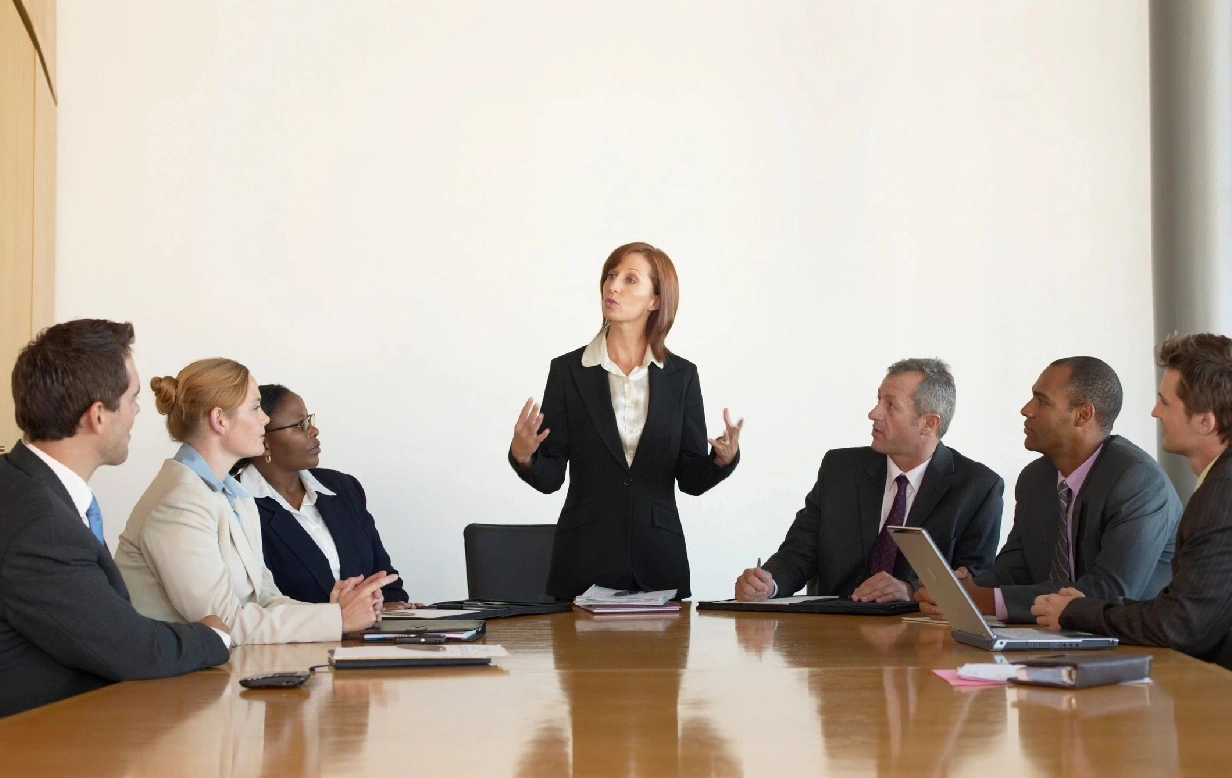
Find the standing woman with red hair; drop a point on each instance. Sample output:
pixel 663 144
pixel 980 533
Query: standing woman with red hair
pixel 625 416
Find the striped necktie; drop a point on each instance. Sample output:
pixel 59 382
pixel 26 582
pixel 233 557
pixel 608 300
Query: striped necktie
pixel 1060 570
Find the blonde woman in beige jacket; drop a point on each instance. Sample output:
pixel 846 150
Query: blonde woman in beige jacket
pixel 192 546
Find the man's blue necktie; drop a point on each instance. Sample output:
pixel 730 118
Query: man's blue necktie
pixel 95 517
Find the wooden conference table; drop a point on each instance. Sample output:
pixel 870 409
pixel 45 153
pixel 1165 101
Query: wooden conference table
pixel 699 694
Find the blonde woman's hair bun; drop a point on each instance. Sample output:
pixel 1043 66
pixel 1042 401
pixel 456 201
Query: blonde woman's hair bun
pixel 166 390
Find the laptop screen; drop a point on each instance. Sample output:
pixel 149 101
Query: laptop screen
pixel 935 573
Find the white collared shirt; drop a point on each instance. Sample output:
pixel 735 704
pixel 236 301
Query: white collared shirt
pixel 914 477
pixel 630 393
pixel 308 515
pixel 78 490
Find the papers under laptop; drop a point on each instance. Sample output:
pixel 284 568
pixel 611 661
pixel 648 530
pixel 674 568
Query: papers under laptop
pixel 965 620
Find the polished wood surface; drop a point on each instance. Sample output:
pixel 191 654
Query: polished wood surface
pixel 17 90
pixel 42 15
pixel 43 268
pixel 693 695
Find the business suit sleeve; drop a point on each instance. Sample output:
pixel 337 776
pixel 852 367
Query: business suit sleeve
pixel 1194 612
pixel 64 604
pixel 696 471
pixel 796 560
pixel 976 547
pixel 1010 566
pixel 395 592
pixel 180 541
pixel 548 464
pixel 1142 521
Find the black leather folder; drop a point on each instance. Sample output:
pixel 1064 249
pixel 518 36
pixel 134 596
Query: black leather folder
pixel 840 606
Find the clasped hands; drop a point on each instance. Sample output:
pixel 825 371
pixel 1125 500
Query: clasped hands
pixel 360 599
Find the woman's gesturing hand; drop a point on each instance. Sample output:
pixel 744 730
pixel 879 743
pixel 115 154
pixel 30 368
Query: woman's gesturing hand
pixel 728 444
pixel 526 434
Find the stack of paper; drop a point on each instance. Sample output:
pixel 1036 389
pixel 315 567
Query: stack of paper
pixel 601 600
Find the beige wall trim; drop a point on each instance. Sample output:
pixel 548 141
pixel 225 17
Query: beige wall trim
pixel 38 48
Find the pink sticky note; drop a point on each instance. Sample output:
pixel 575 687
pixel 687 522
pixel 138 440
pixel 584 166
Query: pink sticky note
pixel 951 677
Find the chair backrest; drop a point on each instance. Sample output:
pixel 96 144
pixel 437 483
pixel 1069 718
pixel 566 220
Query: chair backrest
pixel 508 562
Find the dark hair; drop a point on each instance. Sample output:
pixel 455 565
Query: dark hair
pixel 1093 381
pixel 271 396
pixel 1204 362
pixel 666 286
pixel 67 368
pixel 936 392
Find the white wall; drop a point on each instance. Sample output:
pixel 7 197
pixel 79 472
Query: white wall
pixel 400 210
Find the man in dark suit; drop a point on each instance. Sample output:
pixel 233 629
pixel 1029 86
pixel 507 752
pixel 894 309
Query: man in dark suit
pixel 839 544
pixel 1193 613
pixel 1095 511
pixel 66 625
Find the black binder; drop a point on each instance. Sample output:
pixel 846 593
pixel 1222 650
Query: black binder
pixel 840 606
pixel 391 629
pixel 495 609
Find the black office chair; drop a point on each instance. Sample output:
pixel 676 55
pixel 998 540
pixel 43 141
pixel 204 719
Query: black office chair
pixel 508 562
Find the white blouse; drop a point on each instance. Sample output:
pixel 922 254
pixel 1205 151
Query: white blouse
pixel 630 393
pixel 308 515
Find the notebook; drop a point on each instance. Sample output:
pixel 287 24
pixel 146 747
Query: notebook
pixel 413 656
pixel 395 628
pixel 966 623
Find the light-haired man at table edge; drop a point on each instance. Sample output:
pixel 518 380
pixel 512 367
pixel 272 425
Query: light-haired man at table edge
pixel 66 624
pixel 1193 614
pixel 1094 511
pixel 838 543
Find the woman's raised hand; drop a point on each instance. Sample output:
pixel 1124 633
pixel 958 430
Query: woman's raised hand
pixel 526 435
pixel 728 444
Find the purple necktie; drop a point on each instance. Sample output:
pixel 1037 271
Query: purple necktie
pixel 885 550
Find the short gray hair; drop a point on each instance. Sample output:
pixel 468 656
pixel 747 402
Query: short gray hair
pixel 936 393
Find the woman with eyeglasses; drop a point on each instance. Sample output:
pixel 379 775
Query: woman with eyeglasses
pixel 315 524
pixel 624 416
pixel 192 546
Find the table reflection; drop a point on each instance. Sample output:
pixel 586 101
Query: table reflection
pixel 621 678
pixel 885 712
pixel 1068 732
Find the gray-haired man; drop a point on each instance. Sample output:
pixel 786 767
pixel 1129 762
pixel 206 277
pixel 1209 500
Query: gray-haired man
pixel 838 543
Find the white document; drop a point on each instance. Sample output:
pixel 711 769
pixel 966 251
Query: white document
pixel 425 613
pixel 988 672
pixel 601 595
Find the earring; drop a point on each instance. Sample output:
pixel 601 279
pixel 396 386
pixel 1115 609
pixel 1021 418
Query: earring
pixel 267 458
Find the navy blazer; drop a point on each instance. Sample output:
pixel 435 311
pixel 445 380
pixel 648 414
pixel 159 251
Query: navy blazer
pixel 300 568
pixel 619 526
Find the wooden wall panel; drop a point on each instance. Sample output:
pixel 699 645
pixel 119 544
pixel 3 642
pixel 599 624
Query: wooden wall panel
pixel 44 269
pixel 17 81
pixel 42 15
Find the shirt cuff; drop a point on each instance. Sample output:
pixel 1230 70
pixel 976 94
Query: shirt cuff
pixel 224 637
pixel 1002 612
pixel 775 591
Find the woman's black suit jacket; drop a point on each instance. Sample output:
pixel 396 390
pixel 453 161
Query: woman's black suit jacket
pixel 619 526
pixel 300 568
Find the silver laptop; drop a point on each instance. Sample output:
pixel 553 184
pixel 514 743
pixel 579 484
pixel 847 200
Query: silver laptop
pixel 965 620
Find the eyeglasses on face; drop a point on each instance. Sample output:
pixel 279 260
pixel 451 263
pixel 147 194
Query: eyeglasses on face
pixel 303 425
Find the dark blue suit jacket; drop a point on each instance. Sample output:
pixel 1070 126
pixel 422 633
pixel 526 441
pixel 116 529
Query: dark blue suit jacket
pixel 298 564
